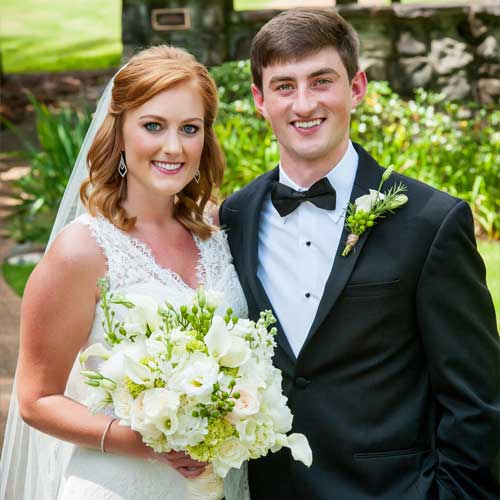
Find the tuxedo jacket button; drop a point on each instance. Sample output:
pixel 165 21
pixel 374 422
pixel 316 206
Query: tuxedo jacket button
pixel 302 382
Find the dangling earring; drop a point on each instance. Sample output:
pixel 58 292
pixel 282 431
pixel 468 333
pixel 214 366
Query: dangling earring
pixel 197 177
pixel 122 166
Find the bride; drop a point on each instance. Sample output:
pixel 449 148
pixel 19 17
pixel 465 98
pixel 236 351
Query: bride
pixel 152 166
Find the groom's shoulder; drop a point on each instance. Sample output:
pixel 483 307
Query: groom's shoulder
pixel 423 198
pixel 243 196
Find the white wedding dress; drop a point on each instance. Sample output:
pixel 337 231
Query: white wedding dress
pixel 131 267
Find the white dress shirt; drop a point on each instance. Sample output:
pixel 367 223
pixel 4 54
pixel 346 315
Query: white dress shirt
pixel 296 252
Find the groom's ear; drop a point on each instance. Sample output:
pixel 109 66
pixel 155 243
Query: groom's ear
pixel 258 99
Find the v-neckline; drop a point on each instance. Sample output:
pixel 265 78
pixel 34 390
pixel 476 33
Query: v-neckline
pixel 201 272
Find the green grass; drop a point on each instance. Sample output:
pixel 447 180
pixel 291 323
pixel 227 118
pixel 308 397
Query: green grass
pixel 57 35
pixel 16 276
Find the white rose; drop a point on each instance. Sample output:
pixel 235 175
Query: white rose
pixel 231 453
pixel 196 377
pixel 138 422
pixel 237 354
pixel 366 202
pixel 246 405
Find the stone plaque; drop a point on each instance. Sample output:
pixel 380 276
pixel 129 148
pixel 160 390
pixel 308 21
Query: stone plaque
pixel 170 19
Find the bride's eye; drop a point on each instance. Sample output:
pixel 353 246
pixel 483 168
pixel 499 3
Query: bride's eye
pixel 190 129
pixel 152 126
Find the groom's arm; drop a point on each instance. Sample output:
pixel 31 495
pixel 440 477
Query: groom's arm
pixel 458 327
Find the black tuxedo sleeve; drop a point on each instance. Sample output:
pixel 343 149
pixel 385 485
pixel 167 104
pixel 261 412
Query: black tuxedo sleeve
pixel 458 328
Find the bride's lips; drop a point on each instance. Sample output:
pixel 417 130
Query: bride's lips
pixel 167 168
pixel 307 127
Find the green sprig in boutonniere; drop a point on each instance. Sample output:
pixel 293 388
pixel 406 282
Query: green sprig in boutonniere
pixel 365 210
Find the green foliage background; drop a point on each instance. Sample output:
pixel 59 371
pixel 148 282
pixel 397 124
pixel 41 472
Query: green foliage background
pixel 453 147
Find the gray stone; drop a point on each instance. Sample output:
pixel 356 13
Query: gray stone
pixel 455 87
pixel 415 71
pixel 491 70
pixel 448 55
pixel 374 68
pixel 489 49
pixel 488 90
pixel 408 45
pixel 476 26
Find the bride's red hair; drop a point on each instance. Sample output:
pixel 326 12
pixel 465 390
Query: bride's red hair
pixel 148 73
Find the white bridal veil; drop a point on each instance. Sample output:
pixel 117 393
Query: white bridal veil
pixel 32 462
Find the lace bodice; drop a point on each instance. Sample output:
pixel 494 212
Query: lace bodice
pixel 130 262
pixel 131 267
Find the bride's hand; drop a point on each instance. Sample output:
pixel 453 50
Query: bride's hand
pixel 182 463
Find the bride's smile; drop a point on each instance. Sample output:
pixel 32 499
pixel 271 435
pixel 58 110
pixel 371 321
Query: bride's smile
pixel 163 142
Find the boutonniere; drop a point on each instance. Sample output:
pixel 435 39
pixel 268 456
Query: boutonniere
pixel 366 209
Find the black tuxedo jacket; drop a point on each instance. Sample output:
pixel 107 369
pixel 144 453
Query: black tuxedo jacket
pixel 397 384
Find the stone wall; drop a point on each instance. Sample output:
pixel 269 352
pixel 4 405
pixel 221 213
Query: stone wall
pixel 452 47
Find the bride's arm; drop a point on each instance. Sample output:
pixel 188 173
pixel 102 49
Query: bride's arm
pixel 56 317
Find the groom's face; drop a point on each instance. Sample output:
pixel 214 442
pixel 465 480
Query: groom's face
pixel 308 103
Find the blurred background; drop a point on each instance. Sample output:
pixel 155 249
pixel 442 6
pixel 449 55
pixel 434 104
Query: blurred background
pixel 431 110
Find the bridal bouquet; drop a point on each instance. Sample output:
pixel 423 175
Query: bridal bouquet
pixel 189 380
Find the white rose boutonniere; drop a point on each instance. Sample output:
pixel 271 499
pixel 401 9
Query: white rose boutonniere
pixel 366 209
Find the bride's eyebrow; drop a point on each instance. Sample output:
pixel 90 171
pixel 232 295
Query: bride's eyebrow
pixel 161 118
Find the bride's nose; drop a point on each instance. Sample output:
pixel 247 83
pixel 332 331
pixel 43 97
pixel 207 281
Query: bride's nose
pixel 172 144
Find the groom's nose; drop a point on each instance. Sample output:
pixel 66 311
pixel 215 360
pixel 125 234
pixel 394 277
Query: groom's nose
pixel 304 103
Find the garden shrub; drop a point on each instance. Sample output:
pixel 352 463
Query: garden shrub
pixel 454 147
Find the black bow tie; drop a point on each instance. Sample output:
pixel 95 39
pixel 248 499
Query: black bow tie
pixel 285 199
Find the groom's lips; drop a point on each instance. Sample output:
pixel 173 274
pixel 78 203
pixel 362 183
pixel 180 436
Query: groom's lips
pixel 312 125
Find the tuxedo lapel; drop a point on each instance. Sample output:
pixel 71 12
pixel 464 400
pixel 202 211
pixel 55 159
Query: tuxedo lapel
pixel 368 176
pixel 251 243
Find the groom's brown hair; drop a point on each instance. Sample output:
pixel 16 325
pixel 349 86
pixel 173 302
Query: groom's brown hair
pixel 297 33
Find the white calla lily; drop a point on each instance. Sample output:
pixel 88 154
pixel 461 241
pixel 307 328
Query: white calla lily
pixel 299 446
pixel 218 339
pixel 94 350
pixel 367 201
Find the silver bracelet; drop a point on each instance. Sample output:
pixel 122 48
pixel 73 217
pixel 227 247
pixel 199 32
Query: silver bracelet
pixel 103 437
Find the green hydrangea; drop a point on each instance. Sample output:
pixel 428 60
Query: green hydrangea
pixel 193 345
pixel 133 388
pixel 218 431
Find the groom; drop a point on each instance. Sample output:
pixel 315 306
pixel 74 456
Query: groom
pixel 390 355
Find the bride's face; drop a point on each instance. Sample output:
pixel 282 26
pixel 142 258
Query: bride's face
pixel 163 141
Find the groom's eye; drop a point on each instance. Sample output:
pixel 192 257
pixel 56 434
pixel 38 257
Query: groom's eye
pixel 152 126
pixel 284 87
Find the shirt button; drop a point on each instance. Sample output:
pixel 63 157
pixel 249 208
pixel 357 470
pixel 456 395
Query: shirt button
pixel 308 243
pixel 308 295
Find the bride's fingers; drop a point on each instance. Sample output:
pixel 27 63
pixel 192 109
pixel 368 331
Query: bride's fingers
pixel 189 472
pixel 185 462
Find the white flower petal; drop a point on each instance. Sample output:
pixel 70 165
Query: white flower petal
pixel 217 339
pixel 299 446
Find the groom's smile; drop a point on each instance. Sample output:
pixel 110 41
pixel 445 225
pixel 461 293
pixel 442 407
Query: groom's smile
pixel 308 103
